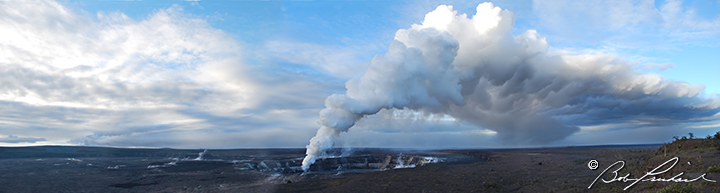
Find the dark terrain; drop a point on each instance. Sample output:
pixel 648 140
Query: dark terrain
pixel 97 169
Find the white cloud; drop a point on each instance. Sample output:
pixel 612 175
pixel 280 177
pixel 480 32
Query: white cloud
pixel 55 57
pixel 106 79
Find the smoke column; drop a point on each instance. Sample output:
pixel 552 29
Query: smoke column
pixel 474 70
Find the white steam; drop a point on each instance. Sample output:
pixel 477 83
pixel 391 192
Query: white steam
pixel 200 155
pixel 474 70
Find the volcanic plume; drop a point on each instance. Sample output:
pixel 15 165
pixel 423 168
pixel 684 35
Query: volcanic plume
pixel 475 70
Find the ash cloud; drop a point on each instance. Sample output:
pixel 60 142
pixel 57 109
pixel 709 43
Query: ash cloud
pixel 472 69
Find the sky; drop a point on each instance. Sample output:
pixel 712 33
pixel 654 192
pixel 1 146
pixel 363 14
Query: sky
pixel 269 74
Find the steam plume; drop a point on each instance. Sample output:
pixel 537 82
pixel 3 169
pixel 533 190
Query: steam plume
pixel 474 70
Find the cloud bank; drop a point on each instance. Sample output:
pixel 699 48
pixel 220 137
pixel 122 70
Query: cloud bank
pixel 168 80
pixel 473 70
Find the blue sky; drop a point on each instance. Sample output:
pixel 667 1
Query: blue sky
pixel 372 23
pixel 233 74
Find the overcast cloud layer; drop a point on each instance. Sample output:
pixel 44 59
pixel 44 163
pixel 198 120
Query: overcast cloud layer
pixel 171 79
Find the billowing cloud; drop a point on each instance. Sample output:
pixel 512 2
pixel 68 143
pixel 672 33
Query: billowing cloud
pixel 474 70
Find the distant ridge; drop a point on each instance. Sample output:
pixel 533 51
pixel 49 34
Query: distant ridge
pixel 116 152
pixel 621 145
pixel 110 152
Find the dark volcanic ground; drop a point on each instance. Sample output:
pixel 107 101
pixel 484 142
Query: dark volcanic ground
pixel 94 169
